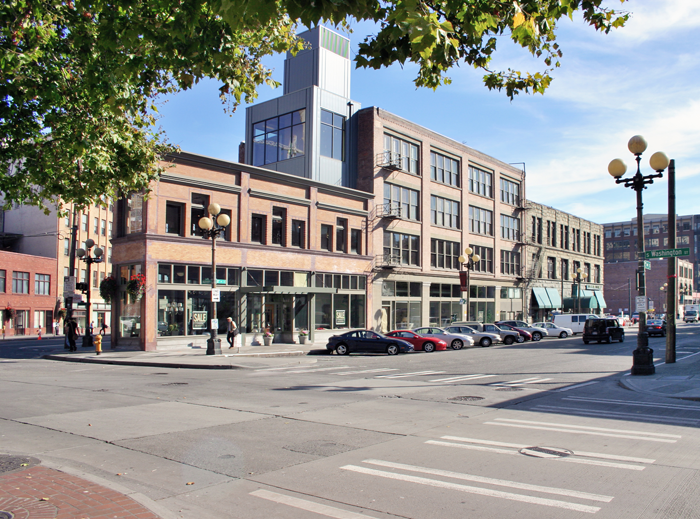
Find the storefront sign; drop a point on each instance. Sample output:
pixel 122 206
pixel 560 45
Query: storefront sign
pixel 216 295
pixel 199 320
pixel 340 317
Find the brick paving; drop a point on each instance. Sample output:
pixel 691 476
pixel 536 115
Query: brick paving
pixel 43 493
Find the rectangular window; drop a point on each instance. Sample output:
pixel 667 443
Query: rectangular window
pixel 480 221
pixel 356 241
pixel 103 227
pixel 298 233
pixel 510 192
pixel 444 169
pixel 332 135
pixel 404 198
pixel 510 263
pixel 402 153
pixel 405 248
pixel 566 237
pixel 199 209
pixel 110 229
pixel 565 269
pixel 96 226
pixel 485 264
pixel 257 228
pixel 480 182
pixel 84 222
pixel 20 282
pixel 279 138
pixel 326 237
pixel 341 235
pixel 94 278
pixel 173 218
pixel 551 268
pixel 3 275
pixel 279 217
pixel 596 270
pixel 444 212
pixel 510 228
pixel 444 254
pixel 42 284
pixel 66 247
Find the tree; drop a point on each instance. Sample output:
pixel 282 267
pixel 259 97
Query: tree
pixel 79 79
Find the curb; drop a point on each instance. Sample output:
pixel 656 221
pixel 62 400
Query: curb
pixel 145 363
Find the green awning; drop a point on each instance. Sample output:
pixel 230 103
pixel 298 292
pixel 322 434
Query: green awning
pixel 541 297
pixel 554 297
pixel 601 300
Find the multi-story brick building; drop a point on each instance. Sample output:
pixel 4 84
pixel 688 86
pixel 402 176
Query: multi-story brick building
pixel 28 291
pixel 558 244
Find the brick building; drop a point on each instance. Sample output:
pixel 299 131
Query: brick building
pixel 28 290
pixel 558 244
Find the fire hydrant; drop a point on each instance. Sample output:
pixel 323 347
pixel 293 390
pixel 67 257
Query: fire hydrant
pixel 98 344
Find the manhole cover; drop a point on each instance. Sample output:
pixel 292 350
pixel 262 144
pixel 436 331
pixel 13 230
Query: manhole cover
pixel 509 389
pixel 12 463
pixel 546 452
pixel 23 508
pixel 466 398
pixel 5 515
pixel 176 384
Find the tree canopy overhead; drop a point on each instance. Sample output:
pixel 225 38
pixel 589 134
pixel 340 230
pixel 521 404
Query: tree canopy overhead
pixel 79 79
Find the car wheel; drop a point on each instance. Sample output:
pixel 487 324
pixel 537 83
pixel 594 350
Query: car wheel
pixel 342 349
pixel 485 342
pixel 428 347
pixel 622 338
pixel 457 344
pixel 563 335
pixel 392 349
pixel 536 336
pixel 608 340
pixel 520 339
pixel 585 341
pixel 508 340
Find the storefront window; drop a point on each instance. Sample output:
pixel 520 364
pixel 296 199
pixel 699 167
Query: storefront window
pixel 198 303
pixel 171 312
pixel 357 311
pixel 341 310
pixel 324 309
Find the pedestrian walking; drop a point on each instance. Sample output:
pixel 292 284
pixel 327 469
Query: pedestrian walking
pixel 103 328
pixel 71 331
pixel 92 328
pixel 231 332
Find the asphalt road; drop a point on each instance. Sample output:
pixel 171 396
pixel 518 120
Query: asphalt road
pixel 535 430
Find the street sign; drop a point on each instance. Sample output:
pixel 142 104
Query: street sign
pixel 647 265
pixel 640 303
pixel 216 295
pixel 667 253
pixel 68 286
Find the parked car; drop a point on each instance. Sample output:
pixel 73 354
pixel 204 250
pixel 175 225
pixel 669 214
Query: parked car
pixel 522 334
pixel 554 330
pixel 656 327
pixel 507 336
pixel 536 332
pixel 603 330
pixel 420 342
pixel 367 341
pixel 573 321
pixel 456 341
pixel 483 339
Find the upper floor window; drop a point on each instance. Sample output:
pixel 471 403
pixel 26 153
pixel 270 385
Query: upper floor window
pixel 510 192
pixel 84 222
pixel 480 221
pixel 404 198
pixel 257 228
pixel 20 282
pixel 356 241
pixel 404 247
pixel 96 226
pixel 279 138
pixel 510 263
pixel 485 263
pixel 42 284
pixel 2 281
pixel 66 247
pixel 405 152
pixel 298 233
pixel 332 135
pixel 444 254
pixel 326 237
pixel 480 182
pixel 279 217
pixel 551 268
pixel 444 169
pixel 174 218
pixel 510 227
pixel 444 212
pixel 341 235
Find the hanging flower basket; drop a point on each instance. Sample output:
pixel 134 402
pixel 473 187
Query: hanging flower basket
pixel 108 288
pixel 9 313
pixel 136 287
pixel 61 314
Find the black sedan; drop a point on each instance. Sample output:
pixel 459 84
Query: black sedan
pixel 367 341
pixel 656 327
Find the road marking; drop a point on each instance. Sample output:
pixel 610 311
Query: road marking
pixel 475 490
pixel 314 370
pixel 580 429
pixel 291 367
pixel 461 377
pixel 416 373
pixel 309 506
pixel 491 481
pixel 628 403
pixel 514 383
pixel 614 414
pixel 577 386
pixel 378 370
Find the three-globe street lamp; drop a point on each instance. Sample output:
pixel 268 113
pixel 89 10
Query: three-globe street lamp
pixel 468 262
pixel 581 276
pixel 643 356
pixel 212 228
pixel 86 255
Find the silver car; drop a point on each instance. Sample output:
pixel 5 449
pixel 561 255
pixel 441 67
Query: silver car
pixel 483 339
pixel 455 340
pixel 554 330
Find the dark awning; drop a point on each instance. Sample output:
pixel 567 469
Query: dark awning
pixel 288 290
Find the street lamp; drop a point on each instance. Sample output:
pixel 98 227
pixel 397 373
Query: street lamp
pixel 468 262
pixel 643 356
pixel 580 278
pixel 86 255
pixel 212 228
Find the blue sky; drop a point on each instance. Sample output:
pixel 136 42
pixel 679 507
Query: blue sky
pixel 642 79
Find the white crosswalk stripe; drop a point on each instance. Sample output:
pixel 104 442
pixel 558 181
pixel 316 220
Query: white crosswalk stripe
pixel 618 415
pixel 517 383
pixel 309 506
pixel 417 373
pixel 460 378
pixel 362 372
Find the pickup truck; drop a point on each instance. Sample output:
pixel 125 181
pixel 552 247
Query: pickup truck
pixel 507 336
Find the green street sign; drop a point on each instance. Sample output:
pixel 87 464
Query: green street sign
pixel 647 265
pixel 667 253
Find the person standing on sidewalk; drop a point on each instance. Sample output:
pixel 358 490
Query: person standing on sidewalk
pixel 231 332
pixel 71 332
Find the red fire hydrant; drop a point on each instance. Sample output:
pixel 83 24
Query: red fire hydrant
pixel 98 344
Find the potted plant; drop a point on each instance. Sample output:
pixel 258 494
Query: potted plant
pixel 267 337
pixel 303 337
pixel 9 313
pixel 108 288
pixel 136 287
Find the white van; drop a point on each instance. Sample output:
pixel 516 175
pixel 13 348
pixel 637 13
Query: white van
pixel 573 321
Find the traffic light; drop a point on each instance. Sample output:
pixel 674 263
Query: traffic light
pixel 81 286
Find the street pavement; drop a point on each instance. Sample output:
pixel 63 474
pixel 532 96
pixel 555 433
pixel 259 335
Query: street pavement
pixel 35 490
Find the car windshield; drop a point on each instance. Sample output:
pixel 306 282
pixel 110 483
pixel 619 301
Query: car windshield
pixel 655 322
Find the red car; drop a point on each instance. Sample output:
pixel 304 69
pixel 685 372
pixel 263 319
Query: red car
pixel 419 342
pixel 526 336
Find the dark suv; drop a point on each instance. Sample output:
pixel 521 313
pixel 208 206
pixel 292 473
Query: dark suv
pixel 603 330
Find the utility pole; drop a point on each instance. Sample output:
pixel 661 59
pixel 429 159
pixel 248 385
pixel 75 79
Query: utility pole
pixel 672 292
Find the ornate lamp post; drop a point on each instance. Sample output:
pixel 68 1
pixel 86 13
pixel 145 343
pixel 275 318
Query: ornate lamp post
pixel 663 289
pixel 468 262
pixel 212 228
pixel 581 276
pixel 643 356
pixel 86 255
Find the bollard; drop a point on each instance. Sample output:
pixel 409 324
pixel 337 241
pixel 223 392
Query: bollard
pixel 98 344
